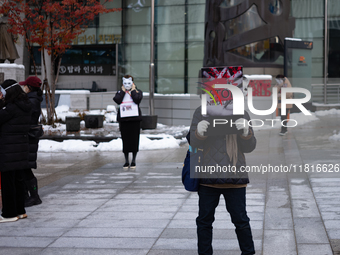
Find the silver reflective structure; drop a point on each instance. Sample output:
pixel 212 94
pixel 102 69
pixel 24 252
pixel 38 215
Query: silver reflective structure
pixel 250 33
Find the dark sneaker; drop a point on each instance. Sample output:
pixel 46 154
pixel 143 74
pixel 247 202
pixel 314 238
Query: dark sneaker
pixel 133 165
pixel 283 133
pixel 126 166
pixel 31 201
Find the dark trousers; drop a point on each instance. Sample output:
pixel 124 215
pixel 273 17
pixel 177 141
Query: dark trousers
pixel 235 199
pixel 12 193
pixel 283 117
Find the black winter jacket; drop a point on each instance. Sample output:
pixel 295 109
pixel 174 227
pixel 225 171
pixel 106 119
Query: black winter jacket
pixel 14 125
pixel 215 153
pixel 34 142
pixel 136 97
pixel 36 106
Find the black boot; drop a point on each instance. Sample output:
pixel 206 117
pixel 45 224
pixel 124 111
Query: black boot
pixel 34 199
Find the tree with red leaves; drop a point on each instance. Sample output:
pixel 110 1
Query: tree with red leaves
pixel 52 25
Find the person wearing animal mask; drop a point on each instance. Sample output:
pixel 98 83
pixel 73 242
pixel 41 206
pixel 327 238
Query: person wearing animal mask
pixel 129 117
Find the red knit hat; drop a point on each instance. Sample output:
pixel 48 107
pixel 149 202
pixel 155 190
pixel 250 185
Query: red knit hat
pixel 32 81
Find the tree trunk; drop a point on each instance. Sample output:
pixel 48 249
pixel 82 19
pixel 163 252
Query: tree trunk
pixel 48 96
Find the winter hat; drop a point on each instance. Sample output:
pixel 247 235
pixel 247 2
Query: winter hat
pixel 6 85
pixel 32 81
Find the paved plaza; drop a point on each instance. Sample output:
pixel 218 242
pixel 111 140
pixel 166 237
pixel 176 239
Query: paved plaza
pixel 91 206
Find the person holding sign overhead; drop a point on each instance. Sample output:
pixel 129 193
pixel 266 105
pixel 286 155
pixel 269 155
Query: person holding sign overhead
pixel 129 118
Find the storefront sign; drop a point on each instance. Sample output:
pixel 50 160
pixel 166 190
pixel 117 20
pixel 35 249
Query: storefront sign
pixel 87 70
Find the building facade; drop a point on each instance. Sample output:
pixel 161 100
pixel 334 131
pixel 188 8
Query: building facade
pixel 118 43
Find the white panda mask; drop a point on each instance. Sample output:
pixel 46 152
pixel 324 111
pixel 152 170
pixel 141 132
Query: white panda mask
pixel 127 83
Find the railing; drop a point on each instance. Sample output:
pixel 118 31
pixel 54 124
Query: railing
pixel 332 93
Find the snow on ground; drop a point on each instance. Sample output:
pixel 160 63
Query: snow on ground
pixel 335 137
pixel 327 112
pixel 161 138
pixel 163 142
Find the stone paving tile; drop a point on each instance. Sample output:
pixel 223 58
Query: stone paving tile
pixel 131 208
pixel 17 231
pixel 146 232
pixel 47 222
pixel 305 208
pixel 24 241
pixel 226 234
pixel 149 212
pixel 332 224
pixel 317 249
pixel 145 215
pixel 104 243
pixel 90 251
pixel 75 207
pixel 283 221
pixel 114 223
pixel 21 251
pixel 310 230
pixel 279 242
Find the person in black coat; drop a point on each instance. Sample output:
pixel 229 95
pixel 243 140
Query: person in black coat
pixel 223 151
pixel 15 117
pixel 129 118
pixel 32 87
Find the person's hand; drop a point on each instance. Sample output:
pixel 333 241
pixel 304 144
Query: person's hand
pixel 133 87
pixel 202 127
pixel 123 88
pixel 242 123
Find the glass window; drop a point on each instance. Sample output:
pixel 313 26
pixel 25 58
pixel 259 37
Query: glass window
pixel 170 14
pixel 137 34
pixel 196 1
pixel 99 56
pixel 137 5
pixel 196 51
pixel 170 51
pixel 141 17
pixel 194 68
pixel 137 52
pixel 169 2
pixel 307 8
pixel 196 13
pixel 196 32
pixel 170 85
pixel 170 69
pixel 112 18
pixel 72 56
pixel 170 33
pixel 137 69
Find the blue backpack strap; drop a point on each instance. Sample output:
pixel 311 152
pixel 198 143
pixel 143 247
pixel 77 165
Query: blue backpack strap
pixel 191 149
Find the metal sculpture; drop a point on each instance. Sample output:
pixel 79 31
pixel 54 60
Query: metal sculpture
pixel 217 47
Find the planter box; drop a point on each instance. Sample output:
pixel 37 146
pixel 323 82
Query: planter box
pixel 149 122
pixel 94 121
pixel 72 124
